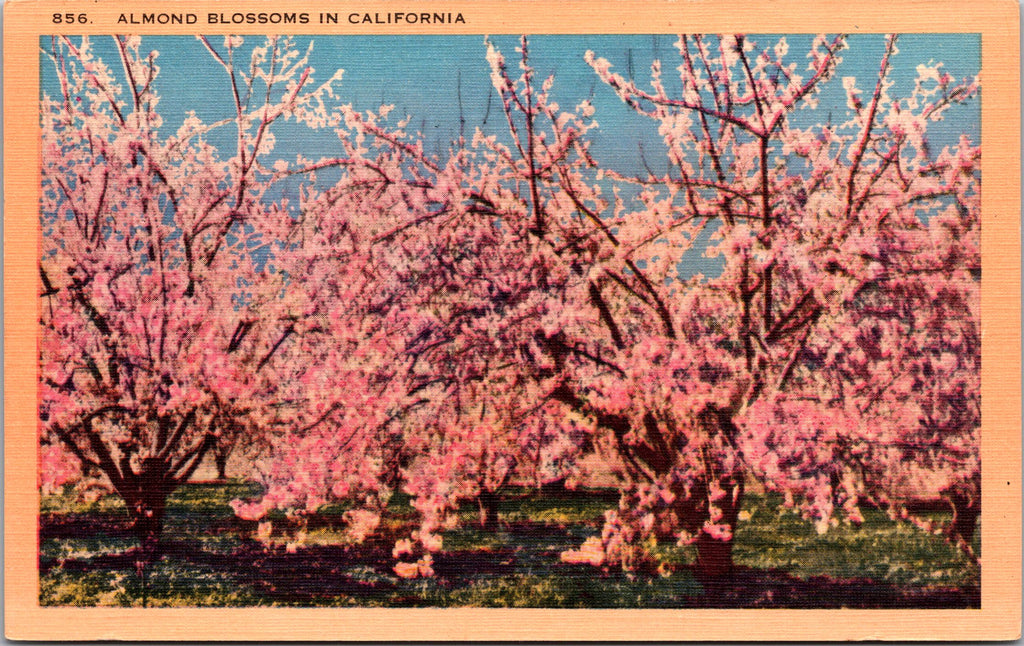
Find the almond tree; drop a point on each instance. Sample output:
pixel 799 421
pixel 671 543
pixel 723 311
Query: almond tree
pixel 839 345
pixel 400 264
pixel 437 277
pixel 350 372
pixel 158 318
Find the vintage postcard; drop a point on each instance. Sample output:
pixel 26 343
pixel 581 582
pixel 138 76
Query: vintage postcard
pixel 535 320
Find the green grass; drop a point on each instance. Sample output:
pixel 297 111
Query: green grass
pixel 581 591
pixel 87 558
pixel 524 505
pixel 880 549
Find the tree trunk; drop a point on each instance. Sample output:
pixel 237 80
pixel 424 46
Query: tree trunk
pixel 487 501
pixel 148 520
pixel 714 555
pixel 147 504
pixel 220 458
pixel 966 506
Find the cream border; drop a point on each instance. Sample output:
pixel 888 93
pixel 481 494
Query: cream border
pixel 1000 613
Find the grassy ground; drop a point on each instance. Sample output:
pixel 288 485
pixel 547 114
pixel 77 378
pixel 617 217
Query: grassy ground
pixel 87 558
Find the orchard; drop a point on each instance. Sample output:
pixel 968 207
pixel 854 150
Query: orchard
pixel 764 308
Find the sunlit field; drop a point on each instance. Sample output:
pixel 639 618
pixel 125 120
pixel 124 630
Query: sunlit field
pixel 211 558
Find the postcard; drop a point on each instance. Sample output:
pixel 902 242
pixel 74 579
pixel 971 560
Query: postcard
pixel 535 320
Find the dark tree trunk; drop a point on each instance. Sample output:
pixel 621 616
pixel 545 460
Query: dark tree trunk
pixel 692 506
pixel 966 506
pixel 714 555
pixel 487 501
pixel 146 500
pixel 220 459
pixel 147 506
pixel 395 457
pixel 148 520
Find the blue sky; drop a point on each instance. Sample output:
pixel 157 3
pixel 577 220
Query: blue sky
pixel 421 76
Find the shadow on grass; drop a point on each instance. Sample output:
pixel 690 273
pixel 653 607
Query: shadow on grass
pixel 754 588
pixel 519 566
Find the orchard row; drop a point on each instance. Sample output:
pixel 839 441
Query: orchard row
pixel 512 311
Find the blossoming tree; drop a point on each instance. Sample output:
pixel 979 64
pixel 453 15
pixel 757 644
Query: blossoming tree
pixel 836 356
pixel 430 294
pixel 157 318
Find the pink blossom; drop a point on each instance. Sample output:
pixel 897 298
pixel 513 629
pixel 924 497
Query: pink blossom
pixel 590 553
